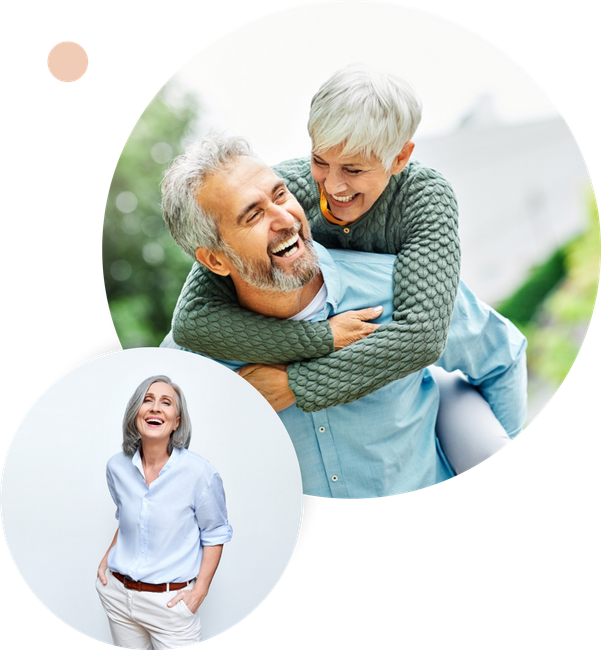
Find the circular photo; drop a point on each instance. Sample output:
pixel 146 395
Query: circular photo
pixel 397 245
pixel 151 498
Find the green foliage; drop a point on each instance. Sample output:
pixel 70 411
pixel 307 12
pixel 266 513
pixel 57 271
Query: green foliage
pixel 557 330
pixel 144 270
pixel 523 304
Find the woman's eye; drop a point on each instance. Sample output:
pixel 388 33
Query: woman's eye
pixel 318 162
pixel 353 171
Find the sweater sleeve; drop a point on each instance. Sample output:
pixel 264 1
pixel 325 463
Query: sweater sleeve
pixel 208 319
pixel 425 280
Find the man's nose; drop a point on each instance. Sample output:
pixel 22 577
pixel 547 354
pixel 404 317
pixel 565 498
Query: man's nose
pixel 281 218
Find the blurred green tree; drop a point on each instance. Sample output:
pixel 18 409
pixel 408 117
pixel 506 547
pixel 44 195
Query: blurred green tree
pixel 556 332
pixel 144 269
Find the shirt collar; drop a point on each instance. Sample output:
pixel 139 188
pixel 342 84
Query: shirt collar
pixel 137 461
pixel 330 274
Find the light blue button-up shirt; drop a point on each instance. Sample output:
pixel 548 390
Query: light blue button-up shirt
pixel 385 443
pixel 162 528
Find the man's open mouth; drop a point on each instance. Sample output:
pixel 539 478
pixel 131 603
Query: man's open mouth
pixel 287 248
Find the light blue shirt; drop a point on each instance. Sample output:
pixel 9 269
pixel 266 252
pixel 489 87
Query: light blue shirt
pixel 385 443
pixel 162 528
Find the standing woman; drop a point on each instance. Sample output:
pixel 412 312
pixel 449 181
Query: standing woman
pixel 172 525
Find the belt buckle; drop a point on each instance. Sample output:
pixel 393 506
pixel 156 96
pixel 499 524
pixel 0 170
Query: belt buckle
pixel 133 584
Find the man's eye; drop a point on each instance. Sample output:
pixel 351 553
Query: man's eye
pixel 252 216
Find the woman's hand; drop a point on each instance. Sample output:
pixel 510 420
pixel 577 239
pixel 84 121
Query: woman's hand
pixel 192 597
pixel 350 326
pixel 271 382
pixel 102 572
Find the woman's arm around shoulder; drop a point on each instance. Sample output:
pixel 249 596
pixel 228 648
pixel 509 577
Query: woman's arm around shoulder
pixel 423 225
pixel 208 320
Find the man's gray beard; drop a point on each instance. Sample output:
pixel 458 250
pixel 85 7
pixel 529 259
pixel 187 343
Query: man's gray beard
pixel 268 277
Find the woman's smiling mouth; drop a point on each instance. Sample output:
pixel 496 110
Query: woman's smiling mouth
pixel 343 199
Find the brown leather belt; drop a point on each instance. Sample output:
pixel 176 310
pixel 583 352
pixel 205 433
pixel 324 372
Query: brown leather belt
pixel 146 586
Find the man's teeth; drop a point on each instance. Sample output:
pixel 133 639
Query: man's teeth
pixel 286 244
pixel 344 199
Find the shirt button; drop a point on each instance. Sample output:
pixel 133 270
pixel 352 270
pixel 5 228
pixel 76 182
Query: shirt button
pixel 346 231
pixel 334 478
pixel 142 527
pixel 145 500
pixel 142 551
pixel 322 429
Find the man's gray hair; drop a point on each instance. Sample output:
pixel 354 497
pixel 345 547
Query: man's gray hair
pixel 192 227
pixel 369 112
pixel 132 439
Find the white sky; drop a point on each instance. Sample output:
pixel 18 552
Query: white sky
pixel 258 80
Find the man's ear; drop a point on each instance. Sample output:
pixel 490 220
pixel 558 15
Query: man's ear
pixel 215 261
pixel 403 158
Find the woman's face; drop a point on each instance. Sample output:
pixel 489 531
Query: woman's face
pixel 352 184
pixel 157 417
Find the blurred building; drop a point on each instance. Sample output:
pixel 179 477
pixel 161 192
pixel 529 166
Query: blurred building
pixel 521 189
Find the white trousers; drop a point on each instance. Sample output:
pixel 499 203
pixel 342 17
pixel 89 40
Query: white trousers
pixel 142 620
pixel 466 427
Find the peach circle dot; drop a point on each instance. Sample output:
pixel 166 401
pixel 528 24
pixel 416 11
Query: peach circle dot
pixel 67 61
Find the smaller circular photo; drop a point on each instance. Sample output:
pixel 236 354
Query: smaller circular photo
pixel 160 488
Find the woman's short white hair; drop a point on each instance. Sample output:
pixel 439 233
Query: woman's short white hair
pixel 192 227
pixel 180 438
pixel 369 112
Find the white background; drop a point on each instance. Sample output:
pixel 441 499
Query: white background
pixel 57 511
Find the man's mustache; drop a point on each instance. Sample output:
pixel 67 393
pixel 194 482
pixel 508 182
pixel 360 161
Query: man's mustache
pixel 285 235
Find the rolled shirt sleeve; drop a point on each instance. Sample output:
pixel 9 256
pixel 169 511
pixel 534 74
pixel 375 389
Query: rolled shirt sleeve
pixel 491 352
pixel 211 514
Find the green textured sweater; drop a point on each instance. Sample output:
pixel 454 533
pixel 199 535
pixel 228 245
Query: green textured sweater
pixel 415 218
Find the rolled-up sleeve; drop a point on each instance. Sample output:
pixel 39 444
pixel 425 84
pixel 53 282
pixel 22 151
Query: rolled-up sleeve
pixel 491 352
pixel 211 514
pixel 111 485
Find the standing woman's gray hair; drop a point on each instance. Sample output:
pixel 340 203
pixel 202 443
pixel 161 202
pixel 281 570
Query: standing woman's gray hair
pixel 180 438
pixel 368 112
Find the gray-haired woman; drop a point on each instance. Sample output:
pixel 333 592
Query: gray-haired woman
pixel 172 525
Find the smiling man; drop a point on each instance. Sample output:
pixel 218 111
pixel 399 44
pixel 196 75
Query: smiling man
pixel 235 216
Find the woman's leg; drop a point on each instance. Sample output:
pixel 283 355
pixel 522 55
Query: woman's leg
pixel 466 427
pixel 117 603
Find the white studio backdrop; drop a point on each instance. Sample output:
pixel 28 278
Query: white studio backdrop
pixel 59 518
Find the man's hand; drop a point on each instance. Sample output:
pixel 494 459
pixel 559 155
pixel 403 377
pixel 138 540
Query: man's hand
pixel 350 326
pixel 271 382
